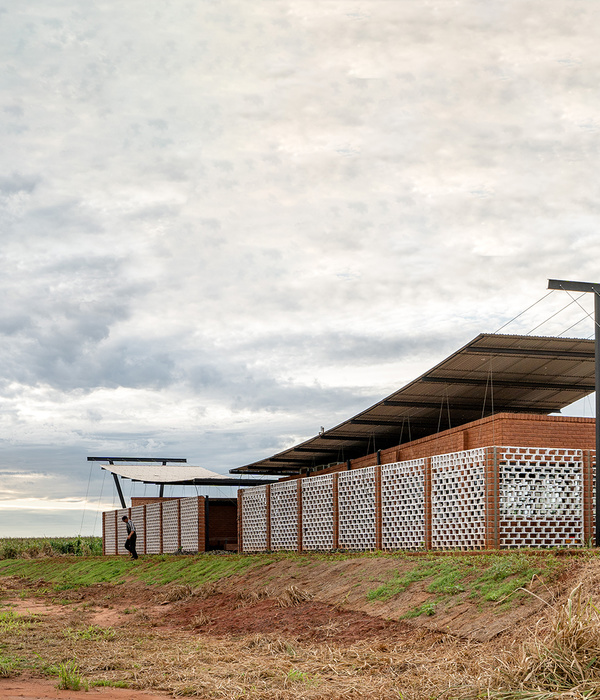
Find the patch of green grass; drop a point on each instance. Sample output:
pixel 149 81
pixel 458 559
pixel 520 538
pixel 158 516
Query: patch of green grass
pixel 427 608
pixel 450 578
pixel 108 684
pixel 91 633
pixel 400 582
pixel 68 573
pixel 8 666
pixel 34 547
pixel 506 574
pixel 295 675
pixel 488 578
pixel 13 622
pixel 69 677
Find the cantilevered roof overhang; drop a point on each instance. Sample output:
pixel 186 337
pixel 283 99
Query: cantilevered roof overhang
pixel 176 475
pixel 491 374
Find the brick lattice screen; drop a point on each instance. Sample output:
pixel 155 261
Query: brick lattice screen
pixel 403 505
pixel 484 498
pixel 284 516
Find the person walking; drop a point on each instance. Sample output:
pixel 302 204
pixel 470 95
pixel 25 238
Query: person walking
pixel 131 537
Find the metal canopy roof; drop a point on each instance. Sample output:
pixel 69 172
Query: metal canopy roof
pixel 179 475
pixel 491 374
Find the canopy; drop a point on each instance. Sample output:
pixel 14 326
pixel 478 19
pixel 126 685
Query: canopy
pixel 491 374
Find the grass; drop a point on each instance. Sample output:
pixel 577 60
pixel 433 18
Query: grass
pixel 8 666
pixel 91 633
pixel 35 547
pixel 69 677
pixel 490 579
pixel 70 645
pixel 68 573
pixel 15 623
pixel 562 662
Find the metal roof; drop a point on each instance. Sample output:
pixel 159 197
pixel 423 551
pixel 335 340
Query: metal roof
pixel 182 475
pixel 491 374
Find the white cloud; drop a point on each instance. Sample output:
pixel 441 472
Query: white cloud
pixel 225 224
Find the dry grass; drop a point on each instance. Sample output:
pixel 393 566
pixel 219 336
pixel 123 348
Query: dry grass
pixel 258 667
pixel 208 589
pixel 562 661
pixel 176 592
pixel 245 597
pixel 200 620
pixel 292 596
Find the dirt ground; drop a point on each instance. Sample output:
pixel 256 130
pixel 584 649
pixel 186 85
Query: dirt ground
pixel 44 689
pixel 279 632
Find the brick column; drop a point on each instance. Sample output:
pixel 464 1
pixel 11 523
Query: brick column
pixel 240 529
pixel 336 512
pixel 427 504
pixel 492 537
pixel 116 531
pixel 103 534
pixel 378 510
pixel 145 529
pixel 160 523
pixel 268 499
pixel 179 524
pixel 299 519
pixel 588 495
pixel 201 523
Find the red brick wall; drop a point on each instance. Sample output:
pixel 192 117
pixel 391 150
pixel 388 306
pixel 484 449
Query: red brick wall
pixel 222 524
pixel 144 501
pixel 517 429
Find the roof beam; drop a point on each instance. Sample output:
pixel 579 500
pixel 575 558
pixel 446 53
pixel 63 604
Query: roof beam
pixel 375 421
pixel 571 286
pixel 286 460
pixel 524 352
pixel 458 405
pixel 348 438
pixel 164 460
pixel 405 420
pixel 520 384
pixel 325 450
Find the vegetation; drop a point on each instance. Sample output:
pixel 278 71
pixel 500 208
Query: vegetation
pixel 32 548
pixel 67 573
pixel 495 578
pixel 560 663
pixel 69 677
pixel 169 612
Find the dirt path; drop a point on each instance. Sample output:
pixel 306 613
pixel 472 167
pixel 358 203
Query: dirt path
pixel 43 689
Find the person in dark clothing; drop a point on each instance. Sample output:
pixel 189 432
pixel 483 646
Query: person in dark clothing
pixel 131 537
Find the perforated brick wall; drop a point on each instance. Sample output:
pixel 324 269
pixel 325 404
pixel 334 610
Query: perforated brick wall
pixel 110 539
pixel 356 504
pixel 170 525
pixel 254 519
pixel 317 513
pixel 137 516
pixel 153 528
pixel 189 524
pixel 403 505
pixel 590 506
pixel 458 500
pixel 541 497
pixel 122 530
pixel 284 516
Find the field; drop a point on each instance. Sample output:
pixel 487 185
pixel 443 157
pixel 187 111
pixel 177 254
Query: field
pixel 271 627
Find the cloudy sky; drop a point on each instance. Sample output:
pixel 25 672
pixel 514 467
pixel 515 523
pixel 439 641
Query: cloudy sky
pixel 227 223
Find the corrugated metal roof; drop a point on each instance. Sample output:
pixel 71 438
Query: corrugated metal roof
pixel 491 374
pixel 177 474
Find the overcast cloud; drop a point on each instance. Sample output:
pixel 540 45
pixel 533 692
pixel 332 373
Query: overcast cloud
pixel 225 224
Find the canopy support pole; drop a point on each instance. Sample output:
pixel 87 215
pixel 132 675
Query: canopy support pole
pixel 569 286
